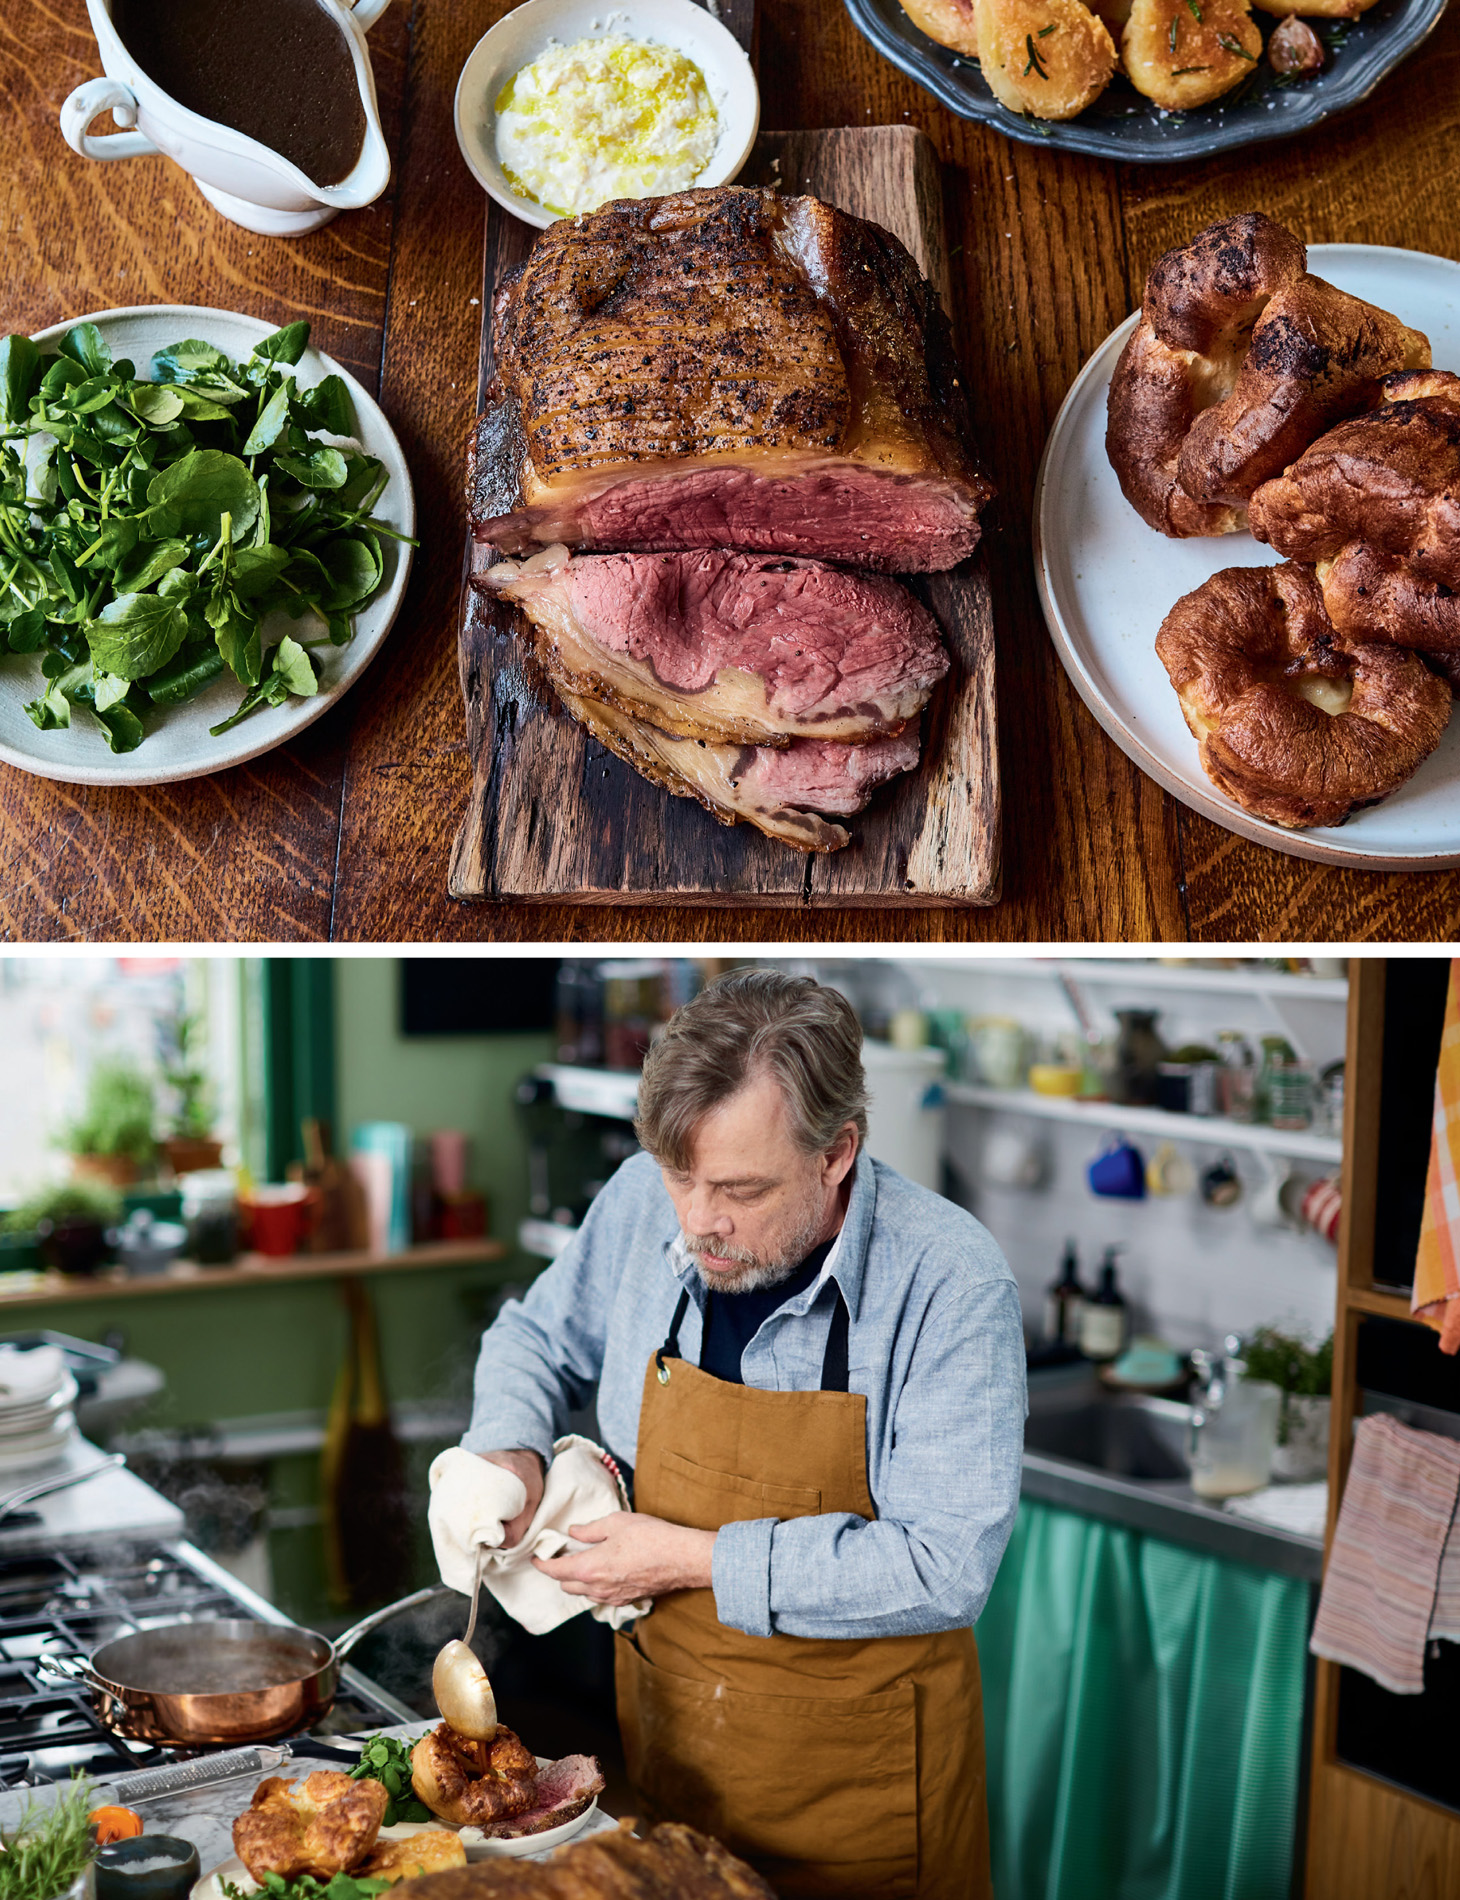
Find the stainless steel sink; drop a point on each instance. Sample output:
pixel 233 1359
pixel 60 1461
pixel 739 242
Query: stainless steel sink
pixel 1124 1433
pixel 1121 1456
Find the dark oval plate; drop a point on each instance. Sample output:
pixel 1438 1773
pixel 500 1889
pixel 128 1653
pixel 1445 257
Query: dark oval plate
pixel 1121 124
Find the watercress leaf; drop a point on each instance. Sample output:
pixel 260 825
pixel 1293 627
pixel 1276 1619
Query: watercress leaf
pixel 191 495
pixel 327 406
pixel 319 468
pixel 256 569
pixel 86 346
pixel 294 667
pixel 157 404
pixel 123 729
pixel 135 634
pixel 51 711
pixel 180 362
pixel 108 691
pixel 207 408
pixel 272 417
pixel 114 541
pixel 283 346
pixel 177 583
pixel 27 632
pixel 354 567
pixel 366 479
pixel 340 631
pixel 237 633
pixel 306 574
pixel 188 673
pixel 113 424
pixel 61 375
pixel 150 563
pixel 19 364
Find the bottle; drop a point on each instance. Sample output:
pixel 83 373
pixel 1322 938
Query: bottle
pixel 1063 1300
pixel 1102 1314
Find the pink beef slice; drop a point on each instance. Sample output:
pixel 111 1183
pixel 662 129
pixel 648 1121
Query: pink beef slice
pixel 564 1790
pixel 818 636
pixel 819 775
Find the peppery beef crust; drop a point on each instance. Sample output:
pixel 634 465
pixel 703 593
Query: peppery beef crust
pixel 789 357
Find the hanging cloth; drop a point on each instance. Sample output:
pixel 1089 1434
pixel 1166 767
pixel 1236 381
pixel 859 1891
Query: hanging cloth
pixel 1436 1297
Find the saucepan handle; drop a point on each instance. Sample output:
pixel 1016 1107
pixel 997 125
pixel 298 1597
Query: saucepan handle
pixel 86 103
pixel 344 1644
pixel 69 1669
pixel 367 12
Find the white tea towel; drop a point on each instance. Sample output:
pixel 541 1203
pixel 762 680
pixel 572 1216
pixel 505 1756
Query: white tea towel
pixel 472 1502
pixel 1300 1508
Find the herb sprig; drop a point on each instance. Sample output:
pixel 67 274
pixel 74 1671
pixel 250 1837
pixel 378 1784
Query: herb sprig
pixel 148 529
pixel 306 1887
pixel 48 1846
pixel 387 1759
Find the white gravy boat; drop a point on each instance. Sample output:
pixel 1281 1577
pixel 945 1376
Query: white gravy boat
pixel 244 180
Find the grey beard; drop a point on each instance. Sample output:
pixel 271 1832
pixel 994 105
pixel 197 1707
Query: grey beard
pixel 755 1273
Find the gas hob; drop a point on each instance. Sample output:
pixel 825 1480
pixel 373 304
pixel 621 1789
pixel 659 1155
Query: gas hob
pixel 69 1602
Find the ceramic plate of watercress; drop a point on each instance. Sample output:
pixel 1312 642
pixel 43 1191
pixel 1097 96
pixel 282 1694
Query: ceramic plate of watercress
pixel 200 554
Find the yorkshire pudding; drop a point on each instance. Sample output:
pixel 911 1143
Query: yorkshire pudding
pixel 1390 479
pixel 473 1783
pixel 322 1825
pixel 1296 723
pixel 1374 596
pixel 1240 360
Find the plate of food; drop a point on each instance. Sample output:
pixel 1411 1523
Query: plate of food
pixel 208 533
pixel 1246 580
pixel 1212 74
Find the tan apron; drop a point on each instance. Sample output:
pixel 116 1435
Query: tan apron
pixel 836 1767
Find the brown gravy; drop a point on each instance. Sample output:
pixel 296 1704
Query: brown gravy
pixel 278 71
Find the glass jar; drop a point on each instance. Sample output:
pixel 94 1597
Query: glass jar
pixel 210 1214
pixel 1138 1057
pixel 1286 1087
pixel 1000 1050
pixel 1238 1080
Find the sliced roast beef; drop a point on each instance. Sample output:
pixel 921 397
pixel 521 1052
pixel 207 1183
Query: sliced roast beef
pixel 772 790
pixel 725 368
pixel 564 1789
pixel 748 648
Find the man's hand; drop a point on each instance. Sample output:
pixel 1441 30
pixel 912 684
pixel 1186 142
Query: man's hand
pixel 633 1556
pixel 528 1466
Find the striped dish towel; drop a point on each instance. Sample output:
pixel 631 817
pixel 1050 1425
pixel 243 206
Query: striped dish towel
pixel 1383 1571
pixel 1436 1297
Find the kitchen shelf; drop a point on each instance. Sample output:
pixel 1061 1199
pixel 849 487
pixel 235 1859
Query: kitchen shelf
pixel 1209 1130
pixel 1385 1305
pixel 544 1239
pixel 1132 971
pixel 249 1269
pixel 613 1093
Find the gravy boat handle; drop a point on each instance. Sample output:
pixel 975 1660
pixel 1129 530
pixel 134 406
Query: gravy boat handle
pixel 367 12
pixel 92 98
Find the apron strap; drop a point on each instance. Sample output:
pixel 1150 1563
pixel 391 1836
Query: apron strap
pixel 670 1348
pixel 835 1366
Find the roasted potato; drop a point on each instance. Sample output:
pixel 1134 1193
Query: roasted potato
pixel 1048 58
pixel 949 22
pixel 1183 53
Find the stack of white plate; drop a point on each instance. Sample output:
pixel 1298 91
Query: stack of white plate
pixel 37 1394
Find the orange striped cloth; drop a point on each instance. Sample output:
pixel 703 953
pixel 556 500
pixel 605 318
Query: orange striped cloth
pixel 1381 1586
pixel 1436 1297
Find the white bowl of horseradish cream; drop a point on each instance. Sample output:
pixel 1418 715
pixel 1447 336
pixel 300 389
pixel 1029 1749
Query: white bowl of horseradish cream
pixel 566 104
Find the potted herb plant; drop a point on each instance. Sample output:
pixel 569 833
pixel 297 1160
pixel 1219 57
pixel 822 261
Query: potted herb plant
pixel 1304 1376
pixel 69 1223
pixel 189 1144
pixel 47 1850
pixel 112 1141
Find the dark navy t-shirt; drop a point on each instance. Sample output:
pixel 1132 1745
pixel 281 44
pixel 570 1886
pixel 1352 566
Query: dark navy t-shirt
pixel 733 1319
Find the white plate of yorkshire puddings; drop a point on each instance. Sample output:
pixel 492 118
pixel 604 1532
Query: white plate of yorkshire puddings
pixel 1108 581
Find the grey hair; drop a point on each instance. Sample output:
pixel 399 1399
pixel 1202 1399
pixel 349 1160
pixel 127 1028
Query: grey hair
pixel 758 1021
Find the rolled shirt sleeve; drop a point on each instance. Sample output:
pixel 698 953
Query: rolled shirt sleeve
pixel 946 1503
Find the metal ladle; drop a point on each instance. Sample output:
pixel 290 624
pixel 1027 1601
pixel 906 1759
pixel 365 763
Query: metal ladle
pixel 458 1681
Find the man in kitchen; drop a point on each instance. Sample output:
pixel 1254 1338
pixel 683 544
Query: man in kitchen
pixel 815 1370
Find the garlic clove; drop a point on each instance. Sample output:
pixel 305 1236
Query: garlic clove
pixel 463 1693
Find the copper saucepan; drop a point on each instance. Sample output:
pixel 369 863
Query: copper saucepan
pixel 222 1681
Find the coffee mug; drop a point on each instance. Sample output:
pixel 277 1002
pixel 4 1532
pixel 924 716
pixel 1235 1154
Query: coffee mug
pixel 1169 1172
pixel 1322 1207
pixel 246 182
pixel 1270 1204
pixel 1118 1171
pixel 1221 1185
pixel 279 1218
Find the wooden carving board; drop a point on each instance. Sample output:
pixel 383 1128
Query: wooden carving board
pixel 555 816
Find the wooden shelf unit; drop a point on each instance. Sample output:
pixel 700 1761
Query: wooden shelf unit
pixel 1367 1838
pixel 249 1269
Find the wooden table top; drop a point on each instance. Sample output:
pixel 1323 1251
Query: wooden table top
pixel 345 833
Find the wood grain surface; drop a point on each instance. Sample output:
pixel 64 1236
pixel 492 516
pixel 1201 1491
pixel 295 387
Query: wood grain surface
pixel 346 834
pixel 553 815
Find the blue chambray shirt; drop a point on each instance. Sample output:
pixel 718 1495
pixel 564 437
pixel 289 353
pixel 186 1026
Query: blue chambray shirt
pixel 936 1346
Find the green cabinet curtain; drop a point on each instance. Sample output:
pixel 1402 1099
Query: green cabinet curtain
pixel 297 1004
pixel 1144 1711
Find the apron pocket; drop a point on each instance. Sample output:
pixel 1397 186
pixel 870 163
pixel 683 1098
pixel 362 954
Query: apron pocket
pixel 693 1494
pixel 819 1792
